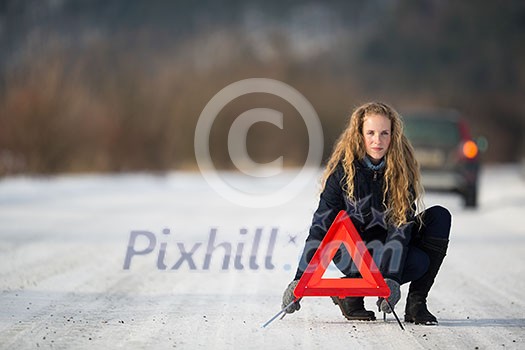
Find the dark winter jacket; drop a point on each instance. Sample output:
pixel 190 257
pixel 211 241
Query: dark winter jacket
pixel 367 215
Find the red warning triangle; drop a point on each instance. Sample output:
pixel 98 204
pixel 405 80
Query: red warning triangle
pixel 342 231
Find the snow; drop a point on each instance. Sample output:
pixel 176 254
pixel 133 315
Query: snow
pixel 64 240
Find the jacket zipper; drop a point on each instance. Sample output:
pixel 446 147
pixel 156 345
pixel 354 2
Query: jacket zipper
pixel 375 175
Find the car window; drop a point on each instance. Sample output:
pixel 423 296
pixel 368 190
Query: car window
pixel 432 132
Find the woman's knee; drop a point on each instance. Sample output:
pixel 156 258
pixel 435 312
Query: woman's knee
pixel 437 221
pixel 442 214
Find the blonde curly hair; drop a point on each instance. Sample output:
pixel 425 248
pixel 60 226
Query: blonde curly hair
pixel 402 185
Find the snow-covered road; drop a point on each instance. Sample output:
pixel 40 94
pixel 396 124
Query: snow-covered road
pixel 144 261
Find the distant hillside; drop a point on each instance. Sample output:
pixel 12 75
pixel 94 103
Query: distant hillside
pixel 109 85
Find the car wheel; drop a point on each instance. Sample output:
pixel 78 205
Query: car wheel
pixel 470 196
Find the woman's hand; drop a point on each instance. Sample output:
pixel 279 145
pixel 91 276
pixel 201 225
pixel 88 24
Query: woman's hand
pixel 288 297
pixel 395 295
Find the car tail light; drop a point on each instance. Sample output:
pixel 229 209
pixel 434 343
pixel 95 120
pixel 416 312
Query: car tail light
pixel 470 149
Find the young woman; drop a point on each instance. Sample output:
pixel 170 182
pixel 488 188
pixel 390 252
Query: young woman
pixel 373 175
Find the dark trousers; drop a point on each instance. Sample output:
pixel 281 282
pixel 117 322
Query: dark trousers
pixel 436 224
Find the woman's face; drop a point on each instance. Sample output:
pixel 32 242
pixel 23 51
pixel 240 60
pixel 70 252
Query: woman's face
pixel 377 130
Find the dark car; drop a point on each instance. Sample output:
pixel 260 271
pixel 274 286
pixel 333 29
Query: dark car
pixel 447 155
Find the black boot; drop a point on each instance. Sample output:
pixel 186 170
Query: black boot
pixel 416 308
pixel 353 308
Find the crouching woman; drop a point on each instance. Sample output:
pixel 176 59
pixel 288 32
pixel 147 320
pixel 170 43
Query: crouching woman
pixel 373 175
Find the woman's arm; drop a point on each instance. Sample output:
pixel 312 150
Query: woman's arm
pixel 395 251
pixel 330 203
